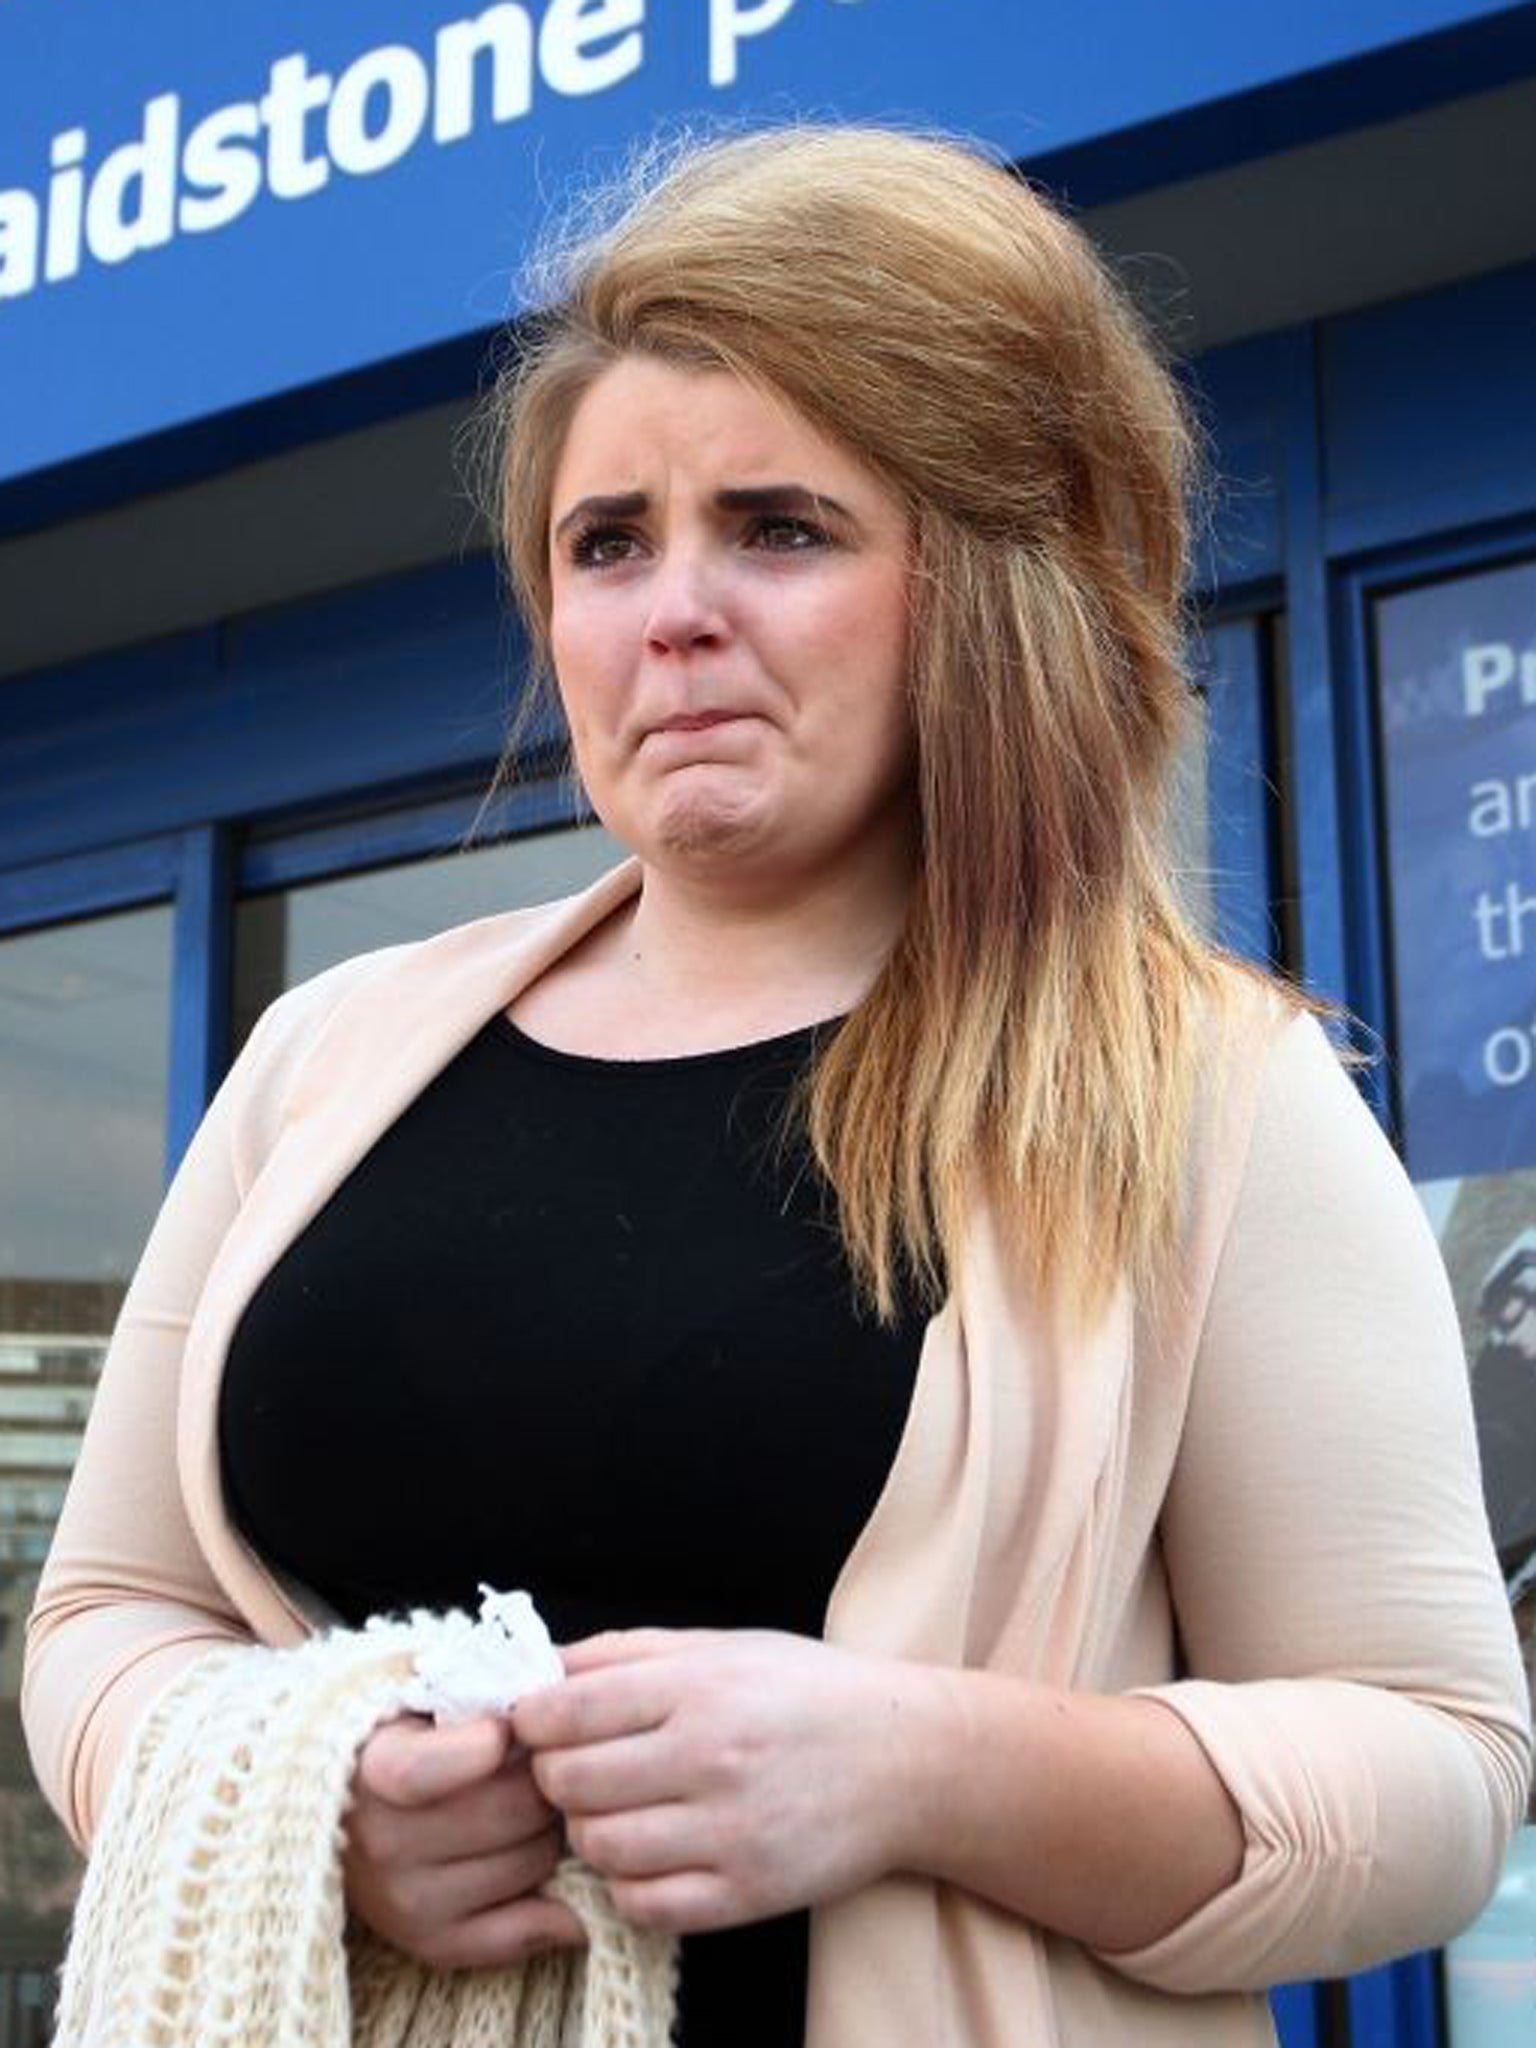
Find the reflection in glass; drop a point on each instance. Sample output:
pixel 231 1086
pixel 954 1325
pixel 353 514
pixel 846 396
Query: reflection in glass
pixel 1456 688
pixel 84 1024
pixel 285 937
pixel 1191 822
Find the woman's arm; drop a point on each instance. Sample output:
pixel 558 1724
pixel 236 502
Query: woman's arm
pixel 1355 1678
pixel 1100 1818
pixel 719 1777
pixel 1335 1783
pixel 127 1599
pixel 1338 1778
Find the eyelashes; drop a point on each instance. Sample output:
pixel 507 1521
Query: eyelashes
pixel 599 545
pixel 604 544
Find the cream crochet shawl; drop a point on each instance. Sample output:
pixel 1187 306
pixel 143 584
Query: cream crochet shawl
pixel 212 1913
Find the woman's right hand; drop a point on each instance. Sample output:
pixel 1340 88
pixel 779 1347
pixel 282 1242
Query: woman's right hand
pixel 448 1839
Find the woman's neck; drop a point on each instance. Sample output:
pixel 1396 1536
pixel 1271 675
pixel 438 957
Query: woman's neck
pixel 813 950
pixel 693 964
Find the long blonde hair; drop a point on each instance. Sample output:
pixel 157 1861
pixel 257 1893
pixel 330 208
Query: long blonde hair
pixel 1037 1029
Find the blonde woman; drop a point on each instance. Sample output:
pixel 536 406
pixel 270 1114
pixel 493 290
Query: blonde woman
pixel 948 1349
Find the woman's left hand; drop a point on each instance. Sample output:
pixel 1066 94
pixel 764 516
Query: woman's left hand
pixel 715 1778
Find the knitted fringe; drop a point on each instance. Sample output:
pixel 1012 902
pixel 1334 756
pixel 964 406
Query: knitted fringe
pixel 212 1913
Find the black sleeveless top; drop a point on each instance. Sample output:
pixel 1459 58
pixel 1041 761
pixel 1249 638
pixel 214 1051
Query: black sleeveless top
pixel 585 1327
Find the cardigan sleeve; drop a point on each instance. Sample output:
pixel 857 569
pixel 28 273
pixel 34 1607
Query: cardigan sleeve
pixel 1353 1670
pixel 127 1599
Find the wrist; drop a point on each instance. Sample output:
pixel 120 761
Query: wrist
pixel 926 1742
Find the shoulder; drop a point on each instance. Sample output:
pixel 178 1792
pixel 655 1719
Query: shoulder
pixel 1309 1182
pixel 1250 1029
pixel 1285 1077
pixel 1262 1073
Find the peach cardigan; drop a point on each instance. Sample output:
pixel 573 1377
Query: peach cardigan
pixel 1258 1500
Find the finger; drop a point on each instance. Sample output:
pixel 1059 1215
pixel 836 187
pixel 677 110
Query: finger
pixel 624 1700
pixel 504 1935
pixel 450 1892
pixel 629 1646
pixel 497 1813
pixel 684 1902
pixel 655 1841
pixel 609 1777
pixel 409 1763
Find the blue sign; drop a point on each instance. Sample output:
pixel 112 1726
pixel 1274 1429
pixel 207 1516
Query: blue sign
pixel 1458 724
pixel 203 205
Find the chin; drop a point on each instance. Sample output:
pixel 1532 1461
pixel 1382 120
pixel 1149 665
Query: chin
pixel 707 822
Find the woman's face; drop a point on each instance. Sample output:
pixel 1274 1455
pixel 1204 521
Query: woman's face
pixel 729 628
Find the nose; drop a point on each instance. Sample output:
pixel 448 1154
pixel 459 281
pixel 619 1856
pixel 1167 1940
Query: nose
pixel 685 610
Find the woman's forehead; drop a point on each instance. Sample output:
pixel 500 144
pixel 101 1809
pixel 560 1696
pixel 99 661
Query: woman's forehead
pixel 643 417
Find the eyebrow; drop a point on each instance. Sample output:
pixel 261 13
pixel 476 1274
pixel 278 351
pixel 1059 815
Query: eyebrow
pixel 793 499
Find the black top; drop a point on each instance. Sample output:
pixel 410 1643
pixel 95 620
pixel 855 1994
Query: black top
pixel 581 1326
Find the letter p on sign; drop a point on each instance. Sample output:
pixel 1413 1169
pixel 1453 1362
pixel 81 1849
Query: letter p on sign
pixel 732 22
pixel 1484 670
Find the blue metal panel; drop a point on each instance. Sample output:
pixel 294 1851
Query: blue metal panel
pixel 1362 861
pixel 1396 2007
pixel 1421 72
pixel 200 969
pixel 88 750
pixel 253 433
pixel 239 239
pixel 379 689
pixel 1240 396
pixel 425 829
pixel 1429 411
pixel 1309 687
pixel 1300 2014
pixel 85 885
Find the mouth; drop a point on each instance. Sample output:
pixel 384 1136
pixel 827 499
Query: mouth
pixel 697 721
pixel 688 724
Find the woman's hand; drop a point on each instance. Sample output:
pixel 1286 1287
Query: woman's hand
pixel 714 1778
pixel 448 1840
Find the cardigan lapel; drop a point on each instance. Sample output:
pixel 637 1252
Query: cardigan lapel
pixel 372 1056
pixel 1009 1441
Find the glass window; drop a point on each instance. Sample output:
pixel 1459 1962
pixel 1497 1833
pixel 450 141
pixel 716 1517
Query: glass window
pixel 283 938
pixel 1456 678
pixel 1191 836
pixel 84 1025
pixel 1224 799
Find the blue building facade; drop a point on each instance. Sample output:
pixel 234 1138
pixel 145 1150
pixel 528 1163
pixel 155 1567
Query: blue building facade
pixel 255 669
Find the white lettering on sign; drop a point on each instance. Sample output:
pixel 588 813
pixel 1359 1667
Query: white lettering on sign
pixel 505 34
pixel 293 93
pixel 1488 671
pixel 731 23
pixel 220 163
pixel 184 175
pixel 19 235
pixel 395 83
pixel 1506 923
pixel 132 201
pixel 1501 804
pixel 66 205
pixel 1508 1056
pixel 568 58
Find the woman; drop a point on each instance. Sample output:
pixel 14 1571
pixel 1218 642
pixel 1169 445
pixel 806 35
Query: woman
pixel 941 1291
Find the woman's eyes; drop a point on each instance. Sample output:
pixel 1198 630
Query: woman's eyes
pixel 595 547
pixel 774 533
pixel 783 533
